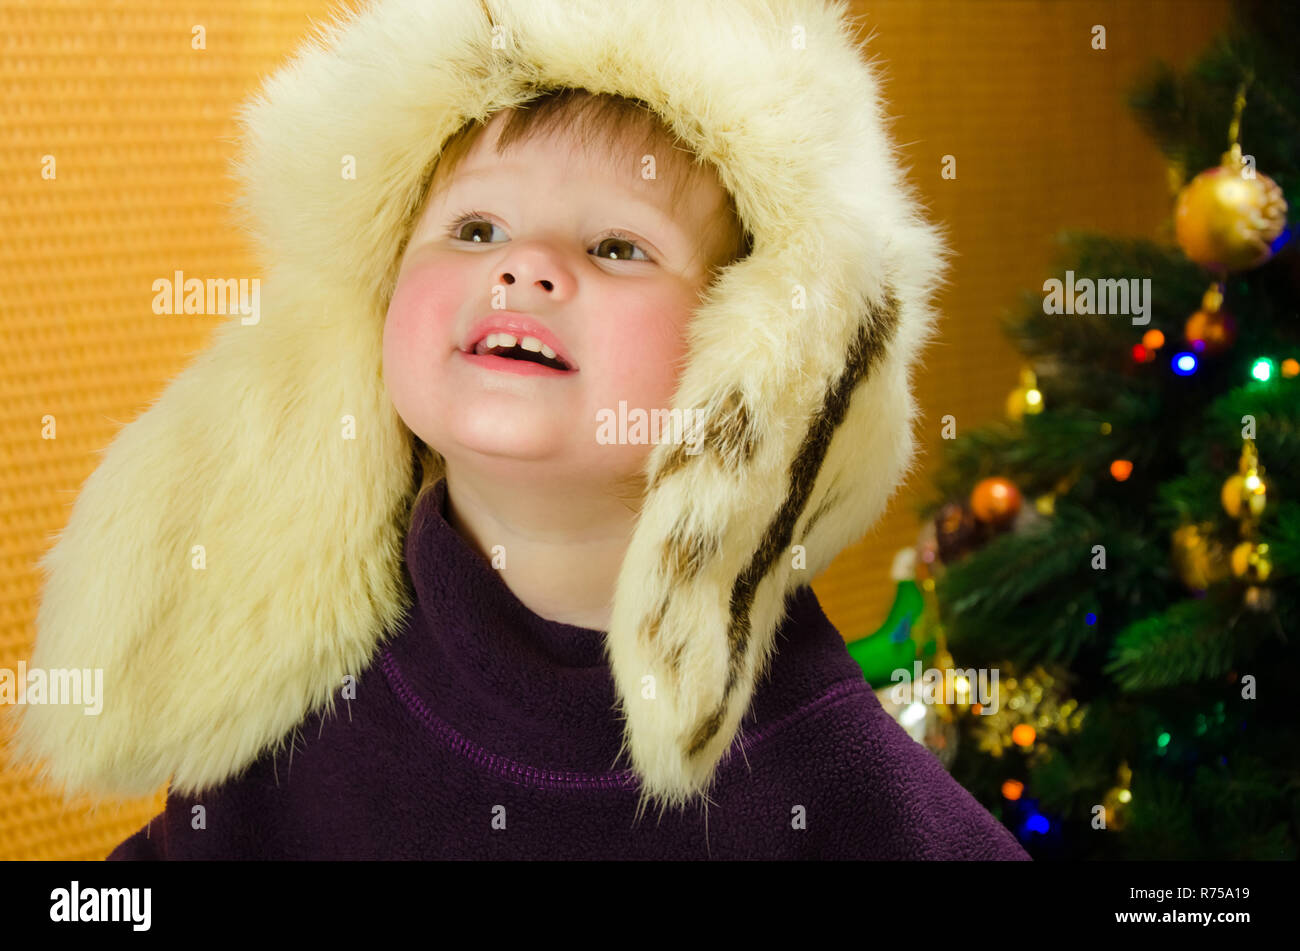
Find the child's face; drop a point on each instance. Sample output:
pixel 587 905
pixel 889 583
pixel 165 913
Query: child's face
pixel 543 216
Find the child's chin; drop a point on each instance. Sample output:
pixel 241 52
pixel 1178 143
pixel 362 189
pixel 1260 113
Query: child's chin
pixel 484 436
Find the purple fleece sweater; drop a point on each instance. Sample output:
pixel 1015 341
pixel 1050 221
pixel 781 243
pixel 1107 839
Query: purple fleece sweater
pixel 483 731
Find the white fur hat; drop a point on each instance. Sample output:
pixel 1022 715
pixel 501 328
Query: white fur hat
pixel 798 358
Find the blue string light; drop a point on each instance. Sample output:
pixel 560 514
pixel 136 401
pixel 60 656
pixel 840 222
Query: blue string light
pixel 1184 363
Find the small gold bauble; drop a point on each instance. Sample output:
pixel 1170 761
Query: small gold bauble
pixel 1244 494
pixel 1233 494
pixel 1027 398
pixel 1249 457
pixel 1116 803
pixel 1250 562
pixel 1256 491
pixel 1212 299
pixel 1198 559
pixel 1023 402
pixel 1210 331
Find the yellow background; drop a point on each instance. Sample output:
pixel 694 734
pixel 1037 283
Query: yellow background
pixel 140 126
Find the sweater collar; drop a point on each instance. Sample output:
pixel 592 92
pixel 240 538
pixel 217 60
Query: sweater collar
pixel 433 536
pixel 496 681
pixel 479 661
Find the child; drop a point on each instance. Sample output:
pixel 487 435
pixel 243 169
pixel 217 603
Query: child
pixel 402 488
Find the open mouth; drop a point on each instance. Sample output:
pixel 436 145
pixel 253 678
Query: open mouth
pixel 534 352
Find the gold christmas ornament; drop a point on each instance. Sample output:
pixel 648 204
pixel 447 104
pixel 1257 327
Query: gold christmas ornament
pixel 1117 799
pixel 1249 457
pixel 1227 218
pixel 1233 495
pixel 1212 299
pixel 1026 399
pixel 1250 562
pixel 1028 709
pixel 1198 558
pixel 1244 493
pixel 1114 803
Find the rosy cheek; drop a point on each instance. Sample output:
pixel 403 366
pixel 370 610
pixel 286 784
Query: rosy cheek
pixel 645 355
pixel 422 316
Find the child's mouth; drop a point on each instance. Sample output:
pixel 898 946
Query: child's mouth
pixel 495 360
pixel 521 354
pixel 528 350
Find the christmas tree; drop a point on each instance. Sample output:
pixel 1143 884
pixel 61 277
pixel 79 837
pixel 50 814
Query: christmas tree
pixel 1124 549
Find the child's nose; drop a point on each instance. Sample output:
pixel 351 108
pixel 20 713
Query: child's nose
pixel 508 278
pixel 536 266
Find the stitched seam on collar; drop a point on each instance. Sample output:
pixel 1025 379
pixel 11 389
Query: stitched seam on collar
pixel 525 775
pixel 834 695
pixel 502 766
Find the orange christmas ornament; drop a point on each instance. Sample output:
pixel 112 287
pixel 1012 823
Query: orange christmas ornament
pixel 1210 332
pixel 1024 735
pixel 995 501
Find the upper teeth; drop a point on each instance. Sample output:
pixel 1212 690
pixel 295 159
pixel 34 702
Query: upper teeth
pixel 528 343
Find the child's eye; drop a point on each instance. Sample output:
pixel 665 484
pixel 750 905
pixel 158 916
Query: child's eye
pixel 477 228
pixel 619 248
pixel 473 227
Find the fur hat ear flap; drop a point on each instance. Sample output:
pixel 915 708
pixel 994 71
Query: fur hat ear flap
pixel 702 590
pixel 194 572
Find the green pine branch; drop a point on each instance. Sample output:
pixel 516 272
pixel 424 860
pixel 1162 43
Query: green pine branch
pixel 1191 641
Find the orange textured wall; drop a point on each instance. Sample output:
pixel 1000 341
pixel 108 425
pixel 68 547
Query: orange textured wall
pixel 116 126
